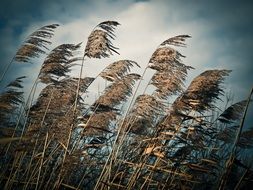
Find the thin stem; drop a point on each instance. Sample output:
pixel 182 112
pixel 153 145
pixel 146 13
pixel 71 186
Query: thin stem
pixel 230 161
pixel 103 173
pixel 42 158
pixel 27 104
pixel 241 179
pixel 6 68
pixel 74 113
pixel 44 148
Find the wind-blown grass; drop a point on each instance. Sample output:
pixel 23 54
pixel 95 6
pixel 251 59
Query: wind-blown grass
pixel 59 142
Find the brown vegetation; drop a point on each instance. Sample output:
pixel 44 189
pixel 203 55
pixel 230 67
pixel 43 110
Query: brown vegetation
pixel 121 141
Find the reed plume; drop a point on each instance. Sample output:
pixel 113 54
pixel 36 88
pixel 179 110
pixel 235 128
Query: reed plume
pixel 118 91
pixel 98 123
pixel 35 43
pixel 99 41
pixel 170 71
pixel 105 107
pixel 246 139
pixel 117 70
pixel 58 113
pixel 233 112
pixel 10 99
pixel 58 63
pixel 144 114
pixel 198 97
pixel 202 92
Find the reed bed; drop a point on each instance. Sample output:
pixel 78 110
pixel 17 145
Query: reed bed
pixel 123 140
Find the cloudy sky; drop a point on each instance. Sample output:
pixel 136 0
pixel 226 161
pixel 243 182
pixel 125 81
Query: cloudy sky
pixel 221 33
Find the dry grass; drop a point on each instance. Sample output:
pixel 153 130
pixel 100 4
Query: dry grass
pixel 117 70
pixel 58 142
pixel 99 42
pixel 35 43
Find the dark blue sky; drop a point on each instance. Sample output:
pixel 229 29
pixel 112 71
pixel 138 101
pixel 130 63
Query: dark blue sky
pixel 222 31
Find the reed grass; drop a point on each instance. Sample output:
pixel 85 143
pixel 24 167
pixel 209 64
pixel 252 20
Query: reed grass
pixel 122 140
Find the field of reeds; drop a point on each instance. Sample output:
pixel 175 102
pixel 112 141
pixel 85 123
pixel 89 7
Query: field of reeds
pixel 126 139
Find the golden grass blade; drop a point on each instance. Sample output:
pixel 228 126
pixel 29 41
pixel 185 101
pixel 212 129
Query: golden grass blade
pixel 11 139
